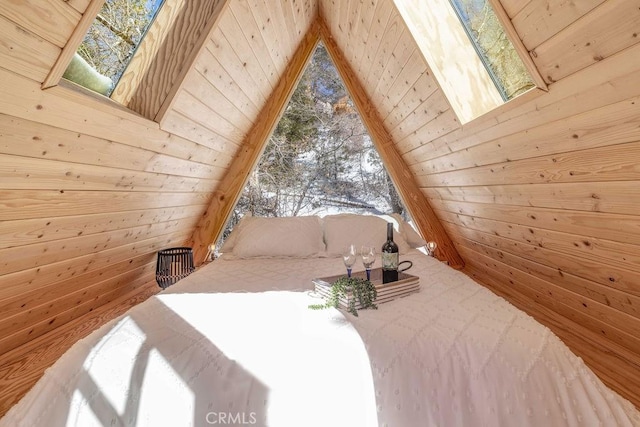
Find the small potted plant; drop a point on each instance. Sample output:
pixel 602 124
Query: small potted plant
pixel 352 289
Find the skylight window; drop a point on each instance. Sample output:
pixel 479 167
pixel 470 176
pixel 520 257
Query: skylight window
pixel 469 52
pixel 110 43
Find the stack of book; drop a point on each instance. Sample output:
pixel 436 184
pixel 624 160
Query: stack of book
pixel 405 285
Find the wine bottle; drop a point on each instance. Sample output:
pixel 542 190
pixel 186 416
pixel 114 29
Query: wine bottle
pixel 389 257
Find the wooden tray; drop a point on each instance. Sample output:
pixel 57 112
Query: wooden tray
pixel 405 285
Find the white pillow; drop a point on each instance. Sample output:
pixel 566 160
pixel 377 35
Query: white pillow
pixel 344 229
pixel 230 242
pixel 299 237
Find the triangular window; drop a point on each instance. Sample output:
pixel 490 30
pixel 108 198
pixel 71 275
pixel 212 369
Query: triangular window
pixel 320 158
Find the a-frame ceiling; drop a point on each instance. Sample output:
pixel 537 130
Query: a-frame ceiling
pixel 539 196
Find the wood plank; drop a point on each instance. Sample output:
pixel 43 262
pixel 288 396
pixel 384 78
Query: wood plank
pixel 178 123
pixel 20 368
pixel 614 364
pixel 270 21
pixel 609 197
pixel 36 140
pixel 52 20
pixel 401 54
pixel 26 280
pixel 63 57
pixel 540 19
pixel 433 106
pixel 25 53
pixel 619 228
pixel 383 12
pixel 226 195
pixel 405 94
pixel 58 107
pixel 614 298
pixel 599 272
pixel 29 231
pixel 612 324
pixel 393 30
pixel 42 319
pixel 47 204
pixel 611 163
pixel 41 174
pixel 617 255
pixel 42 254
pixel 604 31
pixel 255 41
pixel 611 124
pixel 421 212
pixel 513 7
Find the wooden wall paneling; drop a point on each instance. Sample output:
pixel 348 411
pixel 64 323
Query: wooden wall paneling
pixel 195 110
pixel 179 123
pixel 246 56
pixel 79 5
pixel 30 173
pixel 610 197
pixel 603 294
pixel 350 23
pixel 539 20
pixel 35 140
pixel 383 12
pixel 20 368
pixel 607 29
pixel 619 228
pixel 58 107
pixel 173 61
pixel 53 203
pixel 358 42
pixel 622 256
pixel 592 315
pixel 146 51
pixel 40 254
pixel 444 122
pixel 392 33
pixel 254 38
pixel 220 80
pixel 63 57
pixel 606 82
pixel 610 163
pixel 271 26
pixel 52 20
pixel 41 276
pixel 41 319
pixel 413 85
pixel 200 88
pixel 29 231
pixel 24 52
pixel 422 213
pixel 611 124
pixel 223 51
pixel 226 195
pixel 291 22
pixel 617 366
pixel 401 54
pixel 597 271
pixel 407 131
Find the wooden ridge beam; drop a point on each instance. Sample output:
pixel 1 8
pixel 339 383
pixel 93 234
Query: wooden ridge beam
pixel 415 201
pixel 228 192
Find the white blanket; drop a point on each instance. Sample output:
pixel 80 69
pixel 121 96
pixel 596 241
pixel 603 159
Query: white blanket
pixel 235 344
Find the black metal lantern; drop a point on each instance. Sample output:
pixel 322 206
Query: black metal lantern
pixel 173 264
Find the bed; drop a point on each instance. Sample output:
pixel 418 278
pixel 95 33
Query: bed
pixel 236 344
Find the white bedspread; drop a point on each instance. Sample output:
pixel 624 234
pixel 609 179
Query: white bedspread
pixel 235 344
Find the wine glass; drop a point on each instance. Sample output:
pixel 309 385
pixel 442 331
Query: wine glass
pixel 349 258
pixel 368 258
pixel 431 248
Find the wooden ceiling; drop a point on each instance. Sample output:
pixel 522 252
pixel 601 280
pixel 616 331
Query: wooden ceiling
pixel 540 196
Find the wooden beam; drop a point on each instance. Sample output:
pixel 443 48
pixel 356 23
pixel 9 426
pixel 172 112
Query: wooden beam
pixel 414 200
pixel 228 192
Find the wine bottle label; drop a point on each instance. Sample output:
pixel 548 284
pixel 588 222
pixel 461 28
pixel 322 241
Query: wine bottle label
pixel 390 260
